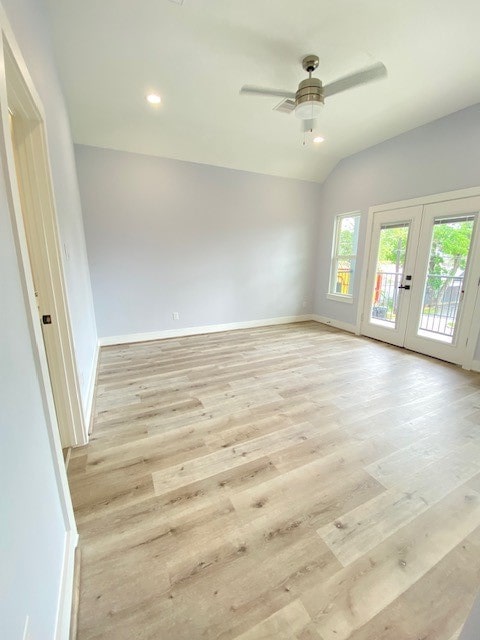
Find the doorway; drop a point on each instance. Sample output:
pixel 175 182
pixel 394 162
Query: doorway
pixel 423 277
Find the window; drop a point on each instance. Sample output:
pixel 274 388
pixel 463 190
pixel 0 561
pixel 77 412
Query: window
pixel 344 255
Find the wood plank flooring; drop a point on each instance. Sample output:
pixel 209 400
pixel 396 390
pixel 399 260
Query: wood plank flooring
pixel 291 482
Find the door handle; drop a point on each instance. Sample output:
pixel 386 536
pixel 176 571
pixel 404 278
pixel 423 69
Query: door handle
pixel 404 286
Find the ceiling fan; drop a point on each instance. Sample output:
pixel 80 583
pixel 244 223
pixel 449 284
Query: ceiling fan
pixel 308 100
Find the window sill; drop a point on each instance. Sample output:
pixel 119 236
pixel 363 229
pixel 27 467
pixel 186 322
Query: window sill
pixel 338 297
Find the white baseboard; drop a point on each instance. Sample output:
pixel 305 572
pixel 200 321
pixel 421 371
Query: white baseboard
pixel 64 609
pixel 193 331
pixel 338 324
pixel 475 366
pixel 88 404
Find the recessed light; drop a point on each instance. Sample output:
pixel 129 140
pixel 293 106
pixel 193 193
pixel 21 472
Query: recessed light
pixel 154 98
pixel 318 139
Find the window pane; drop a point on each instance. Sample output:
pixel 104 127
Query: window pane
pixel 344 254
pixel 347 236
pixel 344 276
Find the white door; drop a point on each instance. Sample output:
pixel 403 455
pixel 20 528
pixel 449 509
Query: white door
pixel 393 252
pixel 424 274
pixel 446 281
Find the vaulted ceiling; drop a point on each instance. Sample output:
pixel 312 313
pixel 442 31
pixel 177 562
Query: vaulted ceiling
pixel 197 54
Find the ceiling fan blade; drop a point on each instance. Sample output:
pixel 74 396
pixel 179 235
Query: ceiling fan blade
pixel 369 74
pixel 262 91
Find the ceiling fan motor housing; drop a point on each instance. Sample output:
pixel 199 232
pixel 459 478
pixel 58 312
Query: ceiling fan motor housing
pixel 309 99
pixel 310 63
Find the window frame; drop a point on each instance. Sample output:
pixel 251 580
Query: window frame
pixel 336 257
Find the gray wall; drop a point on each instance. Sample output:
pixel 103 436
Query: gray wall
pixel 443 155
pixel 32 531
pixel 216 245
pixel 29 20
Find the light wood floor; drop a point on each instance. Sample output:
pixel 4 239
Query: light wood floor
pixel 289 482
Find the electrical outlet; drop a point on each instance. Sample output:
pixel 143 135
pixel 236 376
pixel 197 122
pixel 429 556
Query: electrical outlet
pixel 304 304
pixel 176 315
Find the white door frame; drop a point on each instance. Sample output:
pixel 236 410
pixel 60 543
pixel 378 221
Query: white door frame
pixel 474 333
pixel 9 48
pixel 30 177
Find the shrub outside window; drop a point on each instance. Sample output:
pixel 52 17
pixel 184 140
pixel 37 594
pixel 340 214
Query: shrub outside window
pixel 344 254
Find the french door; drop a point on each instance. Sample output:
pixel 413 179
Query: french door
pixel 423 277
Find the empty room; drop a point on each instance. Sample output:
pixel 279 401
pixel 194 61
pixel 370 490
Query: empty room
pixel 240 358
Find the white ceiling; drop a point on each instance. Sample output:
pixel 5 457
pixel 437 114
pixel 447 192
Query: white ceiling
pixel 111 53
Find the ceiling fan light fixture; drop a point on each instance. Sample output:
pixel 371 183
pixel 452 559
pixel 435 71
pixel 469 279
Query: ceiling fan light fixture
pixel 309 99
pixel 308 110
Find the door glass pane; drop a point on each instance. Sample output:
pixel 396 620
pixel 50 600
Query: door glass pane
pixel 392 249
pixel 449 249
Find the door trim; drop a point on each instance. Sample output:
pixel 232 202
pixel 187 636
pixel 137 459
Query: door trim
pixel 474 333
